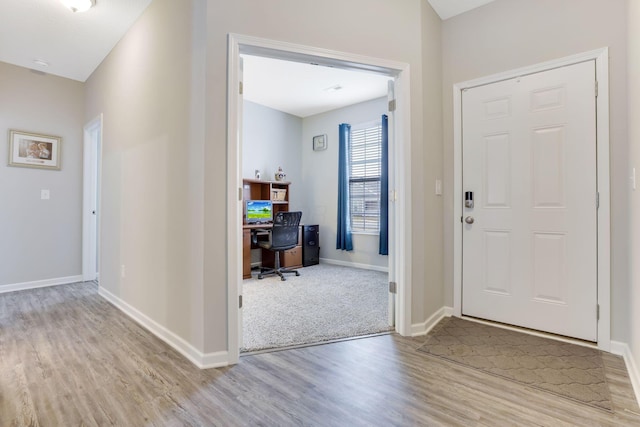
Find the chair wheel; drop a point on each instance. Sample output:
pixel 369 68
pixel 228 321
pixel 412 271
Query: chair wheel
pixel 283 279
pixel 260 276
pixel 297 274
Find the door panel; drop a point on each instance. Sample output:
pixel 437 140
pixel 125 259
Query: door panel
pixel 529 157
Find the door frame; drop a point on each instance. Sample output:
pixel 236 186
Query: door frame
pixel 92 147
pixel 400 155
pixel 601 57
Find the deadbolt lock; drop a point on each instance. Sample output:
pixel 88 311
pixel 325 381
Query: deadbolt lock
pixel 468 199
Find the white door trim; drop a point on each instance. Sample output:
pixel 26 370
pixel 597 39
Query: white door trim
pixel 238 44
pixel 601 56
pixel 89 226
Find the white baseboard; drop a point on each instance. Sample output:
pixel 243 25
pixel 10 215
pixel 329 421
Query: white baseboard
pixel 354 265
pixel 424 327
pixel 40 284
pixel 201 360
pixel 622 349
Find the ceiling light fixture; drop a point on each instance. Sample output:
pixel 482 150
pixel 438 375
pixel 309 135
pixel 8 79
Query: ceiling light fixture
pixel 78 5
pixel 41 63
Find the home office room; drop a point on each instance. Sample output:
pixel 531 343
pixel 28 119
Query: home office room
pixel 291 118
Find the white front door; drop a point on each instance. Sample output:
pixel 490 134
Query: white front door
pixel 529 254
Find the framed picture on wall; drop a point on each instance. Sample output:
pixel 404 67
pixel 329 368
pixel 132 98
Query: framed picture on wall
pixel 320 142
pixel 32 150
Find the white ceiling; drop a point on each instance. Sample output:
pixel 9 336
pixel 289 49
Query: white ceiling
pixel 304 89
pixel 73 44
pixel 449 8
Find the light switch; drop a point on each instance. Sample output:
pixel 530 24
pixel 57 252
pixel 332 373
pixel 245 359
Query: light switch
pixel 44 194
pixel 438 187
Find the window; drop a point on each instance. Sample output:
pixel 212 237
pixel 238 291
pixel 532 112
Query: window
pixel 364 180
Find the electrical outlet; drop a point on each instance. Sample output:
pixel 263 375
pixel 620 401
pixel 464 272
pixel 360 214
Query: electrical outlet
pixel 44 194
pixel 122 271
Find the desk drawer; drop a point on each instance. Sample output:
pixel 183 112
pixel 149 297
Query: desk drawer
pixel 246 254
pixel 291 258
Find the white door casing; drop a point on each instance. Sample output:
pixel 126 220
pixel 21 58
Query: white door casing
pixel 603 213
pixel 529 159
pixel 240 110
pixel 399 184
pixel 391 305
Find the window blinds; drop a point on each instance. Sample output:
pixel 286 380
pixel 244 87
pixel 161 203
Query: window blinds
pixel 364 179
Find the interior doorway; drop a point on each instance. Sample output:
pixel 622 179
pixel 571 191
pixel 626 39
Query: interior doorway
pixel 399 160
pixel 91 200
pixel 285 104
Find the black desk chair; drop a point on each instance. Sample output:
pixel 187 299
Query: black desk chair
pixel 283 236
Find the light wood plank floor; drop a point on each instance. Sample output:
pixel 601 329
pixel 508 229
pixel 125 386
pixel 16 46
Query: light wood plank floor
pixel 68 358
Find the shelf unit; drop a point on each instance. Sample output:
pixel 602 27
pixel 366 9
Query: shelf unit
pixel 255 189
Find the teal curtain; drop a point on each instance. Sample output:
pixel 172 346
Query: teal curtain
pixel 344 239
pixel 384 188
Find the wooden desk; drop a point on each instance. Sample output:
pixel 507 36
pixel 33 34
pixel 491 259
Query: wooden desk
pixel 255 189
pixel 246 247
pixel 291 258
pixel 256 226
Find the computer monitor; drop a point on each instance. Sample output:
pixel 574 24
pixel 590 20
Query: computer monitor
pixel 259 211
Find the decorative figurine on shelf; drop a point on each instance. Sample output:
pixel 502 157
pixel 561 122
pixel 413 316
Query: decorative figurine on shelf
pixel 280 175
pixel 257 173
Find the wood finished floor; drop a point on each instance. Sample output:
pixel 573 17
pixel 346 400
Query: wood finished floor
pixel 69 358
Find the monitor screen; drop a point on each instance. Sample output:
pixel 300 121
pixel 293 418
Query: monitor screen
pixel 259 211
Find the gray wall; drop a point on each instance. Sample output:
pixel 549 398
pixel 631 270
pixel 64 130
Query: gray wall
pixel 429 298
pixel 508 34
pixel 41 239
pixel 271 138
pixel 634 162
pixel 150 89
pixel 320 181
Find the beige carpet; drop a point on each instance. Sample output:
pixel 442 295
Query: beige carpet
pixel 326 302
pixel 567 370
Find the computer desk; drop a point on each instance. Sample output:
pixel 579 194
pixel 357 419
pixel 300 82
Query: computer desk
pixel 248 231
pixel 291 258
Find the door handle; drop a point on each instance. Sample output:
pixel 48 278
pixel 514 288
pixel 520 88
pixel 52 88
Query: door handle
pixel 469 220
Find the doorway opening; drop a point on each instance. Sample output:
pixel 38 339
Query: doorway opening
pixel 399 161
pixel 335 294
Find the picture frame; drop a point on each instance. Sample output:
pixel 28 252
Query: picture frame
pixel 320 142
pixel 33 150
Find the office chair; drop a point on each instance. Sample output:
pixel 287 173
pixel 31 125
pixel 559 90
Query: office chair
pixel 283 236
